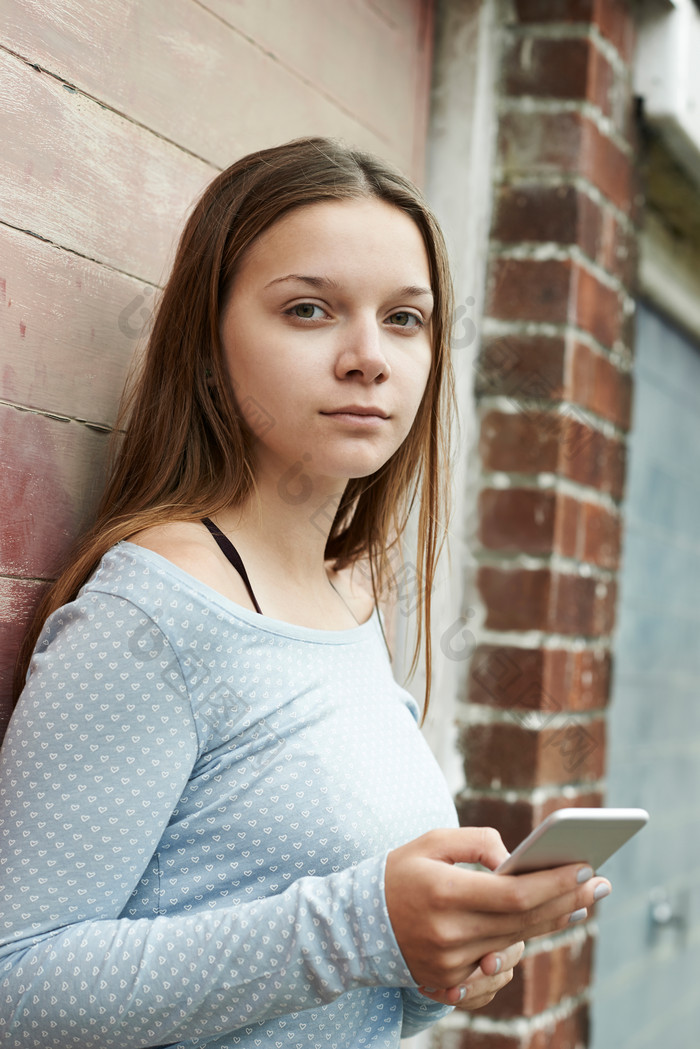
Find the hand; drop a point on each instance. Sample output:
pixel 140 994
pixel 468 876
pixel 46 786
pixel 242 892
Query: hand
pixel 446 919
pixel 493 973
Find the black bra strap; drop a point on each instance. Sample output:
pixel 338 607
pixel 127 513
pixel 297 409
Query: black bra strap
pixel 231 554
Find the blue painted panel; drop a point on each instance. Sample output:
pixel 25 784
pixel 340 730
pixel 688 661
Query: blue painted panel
pixel 646 980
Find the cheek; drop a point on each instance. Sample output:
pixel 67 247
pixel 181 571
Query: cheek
pixel 416 392
pixel 419 381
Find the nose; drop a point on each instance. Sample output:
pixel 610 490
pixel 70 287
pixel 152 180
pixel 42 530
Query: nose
pixel 361 354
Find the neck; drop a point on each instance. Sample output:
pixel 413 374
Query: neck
pixel 289 520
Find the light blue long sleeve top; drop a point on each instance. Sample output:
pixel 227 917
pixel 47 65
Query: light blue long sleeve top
pixel 196 804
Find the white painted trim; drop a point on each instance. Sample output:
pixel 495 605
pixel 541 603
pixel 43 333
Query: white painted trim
pixel 667 76
pixel 460 152
pixel 459 186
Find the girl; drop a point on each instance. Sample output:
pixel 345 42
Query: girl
pixel 218 813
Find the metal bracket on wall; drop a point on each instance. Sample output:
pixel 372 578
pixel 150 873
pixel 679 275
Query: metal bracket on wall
pixel 667 914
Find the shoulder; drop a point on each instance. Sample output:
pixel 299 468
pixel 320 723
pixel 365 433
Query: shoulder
pixel 189 546
pixel 185 544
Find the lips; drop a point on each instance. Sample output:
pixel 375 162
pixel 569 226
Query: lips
pixel 357 409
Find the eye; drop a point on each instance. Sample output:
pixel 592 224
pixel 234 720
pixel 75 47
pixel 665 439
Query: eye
pixel 305 311
pixel 404 319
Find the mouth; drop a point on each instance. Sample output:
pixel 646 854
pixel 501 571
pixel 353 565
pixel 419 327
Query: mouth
pixel 356 409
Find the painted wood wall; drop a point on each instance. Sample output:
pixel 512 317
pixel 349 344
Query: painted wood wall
pixel 114 114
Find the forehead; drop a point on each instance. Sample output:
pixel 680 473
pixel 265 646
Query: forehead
pixel 347 239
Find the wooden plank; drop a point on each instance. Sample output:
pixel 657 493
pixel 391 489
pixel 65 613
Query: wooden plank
pixel 52 477
pixel 174 67
pixel 68 329
pixel 18 600
pixel 86 179
pixel 350 51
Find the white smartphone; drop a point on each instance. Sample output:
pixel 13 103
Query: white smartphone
pixel 574 836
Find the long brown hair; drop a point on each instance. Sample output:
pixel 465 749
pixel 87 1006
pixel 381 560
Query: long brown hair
pixel 186 452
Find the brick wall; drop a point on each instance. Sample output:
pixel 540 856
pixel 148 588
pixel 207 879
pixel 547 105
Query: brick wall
pixel 554 393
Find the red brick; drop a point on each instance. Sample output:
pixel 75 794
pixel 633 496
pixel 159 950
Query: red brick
pixel 593 230
pixel 516 519
pixel 581 605
pixel 468 1039
pixel 567 530
pixel 565 215
pixel 620 253
pixel 508 364
pixel 565 143
pixel 585 679
pixel 602 536
pixel 537 521
pixel 590 458
pixel 506 676
pixel 572 69
pixel 536 213
pixel 554 291
pixel 515 442
pixel 547 68
pixel 604 164
pixel 569 1032
pixel 542 980
pixel 530 289
pixel 527 366
pixel 597 384
pixel 585 454
pixel 598 308
pixel 587 799
pixel 612 393
pixel 555 10
pixel 544 679
pixel 613 18
pixel 508 756
pixel 539 599
pixel 535 442
pixel 516 599
pixel 515 819
pixel 615 21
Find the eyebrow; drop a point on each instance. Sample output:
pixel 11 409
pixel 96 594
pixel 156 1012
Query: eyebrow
pixel 409 290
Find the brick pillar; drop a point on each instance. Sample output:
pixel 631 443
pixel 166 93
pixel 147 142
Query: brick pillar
pixel 554 389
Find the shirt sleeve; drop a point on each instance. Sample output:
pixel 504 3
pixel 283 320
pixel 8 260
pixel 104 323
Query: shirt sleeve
pixel 94 763
pixel 420 1012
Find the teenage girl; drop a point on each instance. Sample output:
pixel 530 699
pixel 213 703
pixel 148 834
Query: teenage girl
pixel 219 823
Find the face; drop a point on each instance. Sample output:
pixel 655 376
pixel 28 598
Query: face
pixel 327 338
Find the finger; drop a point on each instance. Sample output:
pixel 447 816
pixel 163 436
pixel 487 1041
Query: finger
pixel 495 933
pixel 488 950
pixel 495 962
pixel 451 996
pixel 511 893
pixel 480 992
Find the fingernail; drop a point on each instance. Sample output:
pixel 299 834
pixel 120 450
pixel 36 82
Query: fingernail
pixel 499 965
pixel 462 993
pixel 578 915
pixel 584 874
pixel 601 891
